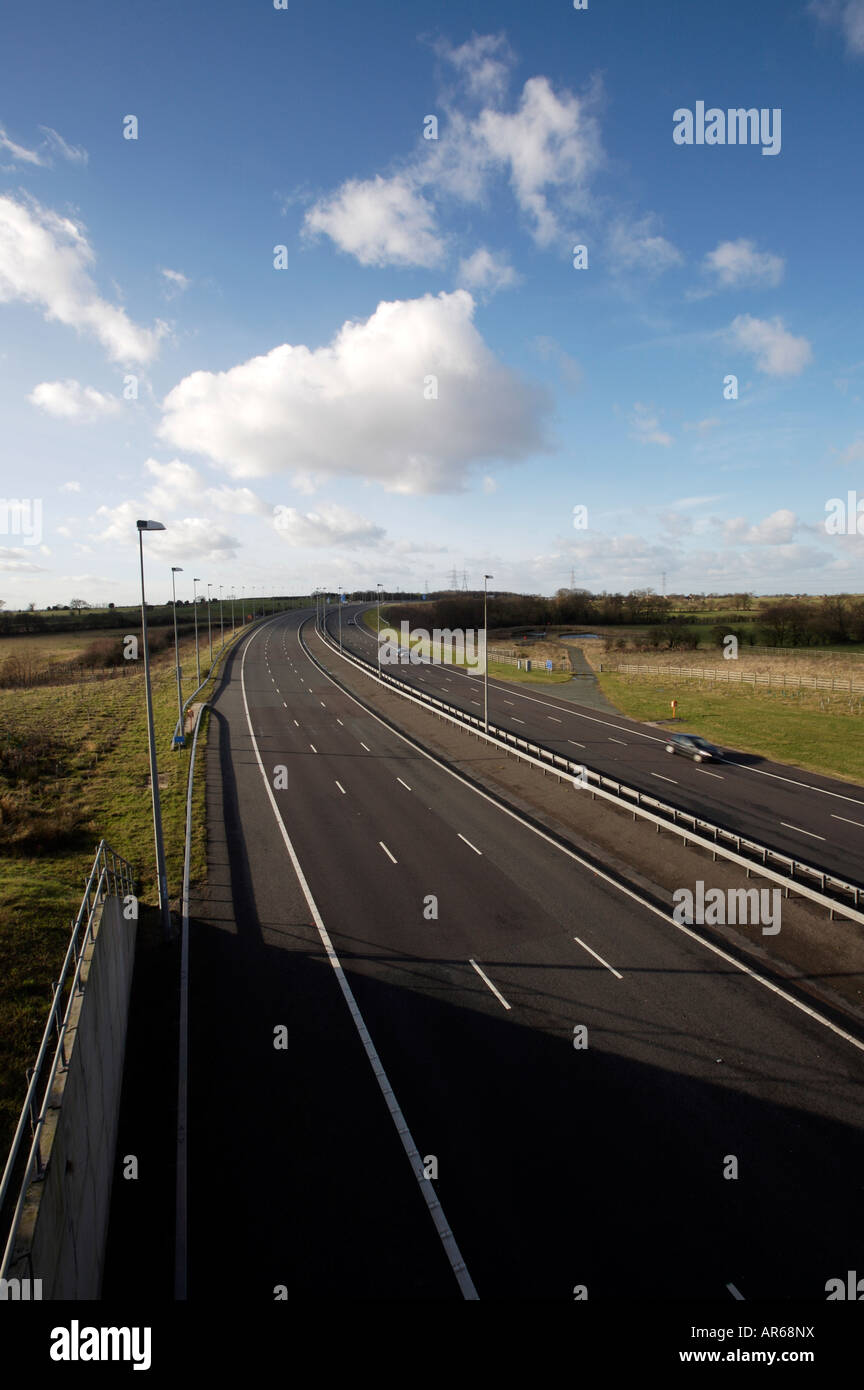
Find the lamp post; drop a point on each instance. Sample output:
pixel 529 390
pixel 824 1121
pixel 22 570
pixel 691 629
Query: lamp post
pixel 179 738
pixel 485 657
pixel 151 738
pixel 197 652
pixel 340 617
pixel 221 619
pixel 243 603
pixel 209 627
pixel 232 613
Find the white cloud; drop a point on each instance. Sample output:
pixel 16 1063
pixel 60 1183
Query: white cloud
pixel 357 407
pixel 483 64
pixel 52 144
pixel 846 15
pixel 71 486
pixel 548 147
pixel 487 270
pixel 69 400
pixel 75 154
pixel 192 537
pixel 13 560
pixel 19 152
pixel 777 351
pixel 489 485
pixel 45 260
pixel 549 142
pixel 329 524
pixel 739 263
pixel 638 246
pixel 179 485
pixel 380 221
pixel 646 427
pixel 241 501
pixel 776 529
pixel 177 282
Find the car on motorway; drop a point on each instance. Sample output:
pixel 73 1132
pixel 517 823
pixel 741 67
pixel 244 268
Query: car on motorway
pixel 692 746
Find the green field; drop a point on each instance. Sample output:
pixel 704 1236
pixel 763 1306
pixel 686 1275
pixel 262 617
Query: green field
pixel 73 770
pixel 807 729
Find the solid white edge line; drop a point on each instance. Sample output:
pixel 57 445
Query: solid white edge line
pixel 469 844
pixel 436 1211
pixel 489 983
pixel 596 957
pixel 598 873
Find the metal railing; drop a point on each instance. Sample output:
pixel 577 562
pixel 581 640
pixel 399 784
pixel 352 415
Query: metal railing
pixel 833 893
pixel 110 876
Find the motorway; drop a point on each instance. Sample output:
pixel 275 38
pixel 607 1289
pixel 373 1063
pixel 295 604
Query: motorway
pixel 816 819
pixel 430 956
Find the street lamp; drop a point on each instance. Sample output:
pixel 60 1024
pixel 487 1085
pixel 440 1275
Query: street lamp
pixel 485 656
pixel 197 652
pixel 209 628
pixel 232 612
pixel 221 618
pixel 340 617
pixel 179 737
pixel 154 774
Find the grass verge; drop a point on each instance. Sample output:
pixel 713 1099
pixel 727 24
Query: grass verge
pixel 74 770
pixel 807 729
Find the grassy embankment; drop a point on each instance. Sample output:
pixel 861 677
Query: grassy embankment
pixel 810 729
pixel 73 770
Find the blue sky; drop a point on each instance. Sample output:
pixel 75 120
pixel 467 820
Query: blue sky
pixel 428 383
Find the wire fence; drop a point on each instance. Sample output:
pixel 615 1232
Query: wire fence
pixel 729 676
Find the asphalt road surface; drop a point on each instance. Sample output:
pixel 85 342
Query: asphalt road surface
pixel 430 957
pixel 816 819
